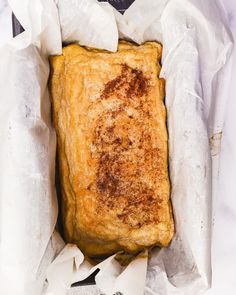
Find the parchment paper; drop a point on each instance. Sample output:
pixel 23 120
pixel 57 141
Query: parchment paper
pixel 196 66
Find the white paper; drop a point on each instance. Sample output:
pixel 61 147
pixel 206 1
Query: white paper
pixel 196 46
pixel 98 30
pixel 70 266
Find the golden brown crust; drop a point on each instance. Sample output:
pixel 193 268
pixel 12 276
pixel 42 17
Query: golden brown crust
pixel 110 120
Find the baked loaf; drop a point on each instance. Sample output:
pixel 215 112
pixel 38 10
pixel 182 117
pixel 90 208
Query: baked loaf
pixel 110 120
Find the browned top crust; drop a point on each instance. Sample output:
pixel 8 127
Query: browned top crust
pixel 110 120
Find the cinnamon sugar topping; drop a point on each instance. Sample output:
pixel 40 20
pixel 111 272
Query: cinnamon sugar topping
pixel 128 162
pixel 130 83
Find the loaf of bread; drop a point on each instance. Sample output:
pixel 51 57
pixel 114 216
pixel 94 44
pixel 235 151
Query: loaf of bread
pixel 110 120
